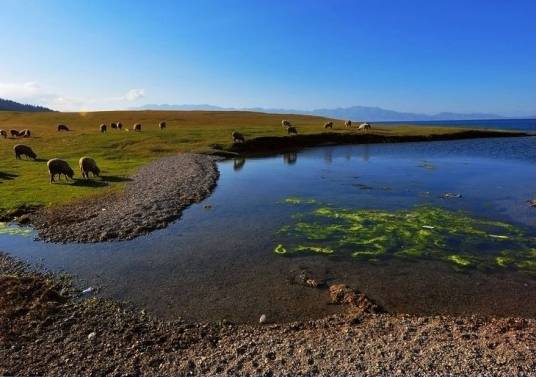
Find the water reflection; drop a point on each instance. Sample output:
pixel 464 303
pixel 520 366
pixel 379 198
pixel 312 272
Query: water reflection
pixel 365 152
pixel 328 156
pixel 290 158
pixel 238 163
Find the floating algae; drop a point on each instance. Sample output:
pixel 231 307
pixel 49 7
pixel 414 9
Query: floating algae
pixel 297 200
pixel 14 230
pixel 421 232
pixel 459 260
pixel 280 249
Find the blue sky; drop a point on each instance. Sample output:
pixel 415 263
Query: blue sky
pixel 419 56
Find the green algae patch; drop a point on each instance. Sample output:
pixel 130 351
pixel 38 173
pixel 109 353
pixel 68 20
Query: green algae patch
pixel 14 230
pixel 503 261
pixel 295 200
pixel 433 233
pixel 314 249
pixel 280 249
pixel 459 260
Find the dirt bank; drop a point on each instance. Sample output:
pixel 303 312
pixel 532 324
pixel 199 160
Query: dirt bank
pixel 274 144
pixel 154 197
pixel 48 328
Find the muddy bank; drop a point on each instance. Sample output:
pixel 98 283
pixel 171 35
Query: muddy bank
pixel 274 144
pixel 154 197
pixel 48 328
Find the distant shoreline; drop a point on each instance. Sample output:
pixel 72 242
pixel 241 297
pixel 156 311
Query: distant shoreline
pixel 274 144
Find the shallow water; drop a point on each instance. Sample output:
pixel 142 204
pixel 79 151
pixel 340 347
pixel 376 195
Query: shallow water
pixel 218 260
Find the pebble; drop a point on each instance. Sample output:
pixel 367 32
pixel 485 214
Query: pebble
pixel 88 290
pixel 91 336
pixel 263 319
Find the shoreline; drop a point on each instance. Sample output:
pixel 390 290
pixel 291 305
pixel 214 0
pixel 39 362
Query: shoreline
pixel 278 144
pixel 40 310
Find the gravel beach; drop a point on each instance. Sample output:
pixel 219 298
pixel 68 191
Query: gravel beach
pixel 47 327
pixel 154 197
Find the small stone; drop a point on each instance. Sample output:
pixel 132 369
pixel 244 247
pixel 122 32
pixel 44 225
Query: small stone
pixel 91 336
pixel 87 290
pixel 263 319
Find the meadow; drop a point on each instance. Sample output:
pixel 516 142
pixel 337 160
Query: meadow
pixel 120 153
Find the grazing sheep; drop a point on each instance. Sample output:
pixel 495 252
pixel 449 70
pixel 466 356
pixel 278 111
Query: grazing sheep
pixel 119 125
pixel 285 124
pixel 137 127
pixel 24 150
pixel 25 133
pixel 3 133
pixel 364 126
pixel 348 124
pixel 103 128
pixel 162 125
pixel 292 130
pixel 328 125
pixel 14 133
pixel 238 137
pixel 88 165
pixel 113 125
pixel 59 167
pixel 62 127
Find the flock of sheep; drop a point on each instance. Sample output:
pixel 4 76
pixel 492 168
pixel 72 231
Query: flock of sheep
pixel 87 165
pixel 118 126
pixel 58 167
pixel 292 130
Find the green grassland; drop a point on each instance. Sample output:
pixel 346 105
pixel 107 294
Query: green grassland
pixel 120 153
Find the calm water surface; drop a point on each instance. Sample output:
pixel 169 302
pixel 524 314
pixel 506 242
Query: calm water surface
pixel 528 124
pixel 218 260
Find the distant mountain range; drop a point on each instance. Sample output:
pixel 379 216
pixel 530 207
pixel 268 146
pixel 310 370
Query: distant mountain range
pixel 357 113
pixel 8 105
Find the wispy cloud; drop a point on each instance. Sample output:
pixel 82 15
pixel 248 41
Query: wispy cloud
pixel 135 94
pixel 32 92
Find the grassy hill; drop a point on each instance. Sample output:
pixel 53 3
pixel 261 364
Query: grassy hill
pixel 119 153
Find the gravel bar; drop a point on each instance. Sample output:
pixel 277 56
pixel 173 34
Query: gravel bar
pixel 154 197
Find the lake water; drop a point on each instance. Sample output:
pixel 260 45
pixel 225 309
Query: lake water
pixel 439 227
pixel 528 124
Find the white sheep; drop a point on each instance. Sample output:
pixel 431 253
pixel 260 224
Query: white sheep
pixel 364 126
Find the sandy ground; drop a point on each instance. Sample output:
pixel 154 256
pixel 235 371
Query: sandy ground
pixel 154 197
pixel 47 327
